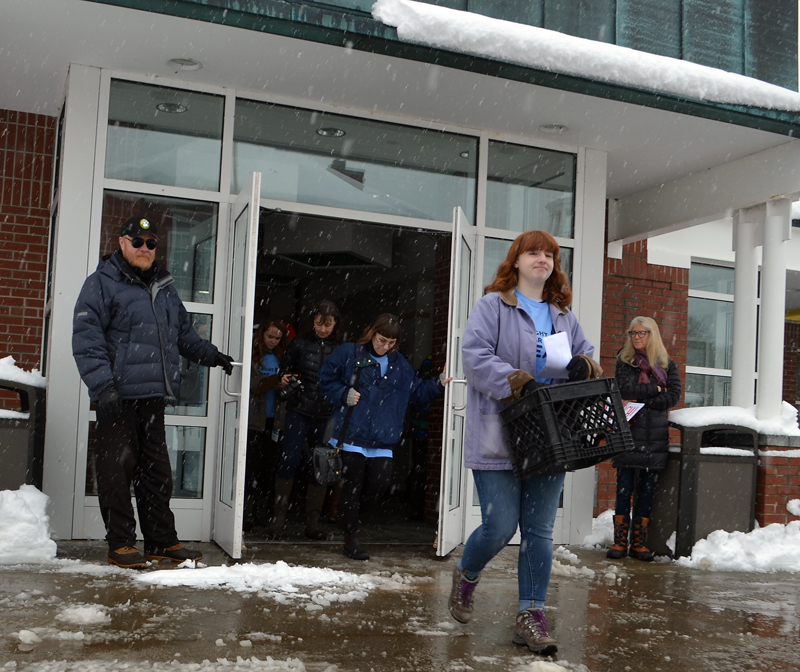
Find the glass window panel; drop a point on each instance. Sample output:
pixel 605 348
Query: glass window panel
pixel 530 188
pixel 702 390
pixel 358 164
pixel 187 451
pixel 187 232
pixel 710 333
pixel 711 278
pixel 496 249
pixel 162 135
pixel 186 447
pixel 193 399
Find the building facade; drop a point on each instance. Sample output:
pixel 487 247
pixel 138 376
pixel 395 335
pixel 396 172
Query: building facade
pixel 299 151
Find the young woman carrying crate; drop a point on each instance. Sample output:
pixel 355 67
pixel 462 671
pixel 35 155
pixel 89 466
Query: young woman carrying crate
pixel 503 355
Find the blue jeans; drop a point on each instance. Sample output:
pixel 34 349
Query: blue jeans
pixel 505 503
pixel 645 489
pixel 300 433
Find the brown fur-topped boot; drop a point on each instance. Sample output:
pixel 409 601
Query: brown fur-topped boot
pixel 639 548
pixel 622 525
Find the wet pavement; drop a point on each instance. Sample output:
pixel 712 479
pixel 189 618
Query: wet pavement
pixel 620 616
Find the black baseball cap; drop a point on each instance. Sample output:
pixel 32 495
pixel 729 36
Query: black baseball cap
pixel 137 226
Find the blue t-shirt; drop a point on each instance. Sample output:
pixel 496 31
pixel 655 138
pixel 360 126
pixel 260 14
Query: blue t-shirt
pixel 269 367
pixel 540 314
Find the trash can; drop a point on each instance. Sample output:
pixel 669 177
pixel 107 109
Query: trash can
pixel 22 437
pixel 708 485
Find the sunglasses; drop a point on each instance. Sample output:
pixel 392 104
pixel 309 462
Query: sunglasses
pixel 640 334
pixel 138 242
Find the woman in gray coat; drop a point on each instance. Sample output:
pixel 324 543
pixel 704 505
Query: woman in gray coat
pixel 503 356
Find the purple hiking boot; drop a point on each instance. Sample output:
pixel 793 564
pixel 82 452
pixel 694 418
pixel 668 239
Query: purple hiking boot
pixel 460 601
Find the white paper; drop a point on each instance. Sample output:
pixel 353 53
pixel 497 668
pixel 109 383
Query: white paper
pixel 559 355
pixel 631 409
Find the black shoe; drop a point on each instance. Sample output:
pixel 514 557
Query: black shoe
pixel 176 553
pixel 127 557
pixel 352 549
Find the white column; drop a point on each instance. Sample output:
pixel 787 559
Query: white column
pixel 777 230
pixel 743 366
pixel 70 256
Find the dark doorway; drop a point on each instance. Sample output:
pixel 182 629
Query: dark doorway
pixel 366 269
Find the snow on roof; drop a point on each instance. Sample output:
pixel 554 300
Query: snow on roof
pixel 10 371
pixel 548 50
pixel 785 425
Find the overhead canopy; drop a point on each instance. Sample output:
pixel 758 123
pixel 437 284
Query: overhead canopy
pixel 295 54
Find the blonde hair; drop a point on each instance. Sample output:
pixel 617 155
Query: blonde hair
pixel 656 352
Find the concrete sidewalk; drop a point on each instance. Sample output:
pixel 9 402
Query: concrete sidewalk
pixel 627 615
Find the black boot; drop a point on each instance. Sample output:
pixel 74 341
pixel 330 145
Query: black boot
pixel 352 549
pixel 315 496
pixel 622 526
pixel 639 548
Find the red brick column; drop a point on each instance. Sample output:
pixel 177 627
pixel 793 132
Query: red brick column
pixel 633 287
pixel 27 144
pixel 778 482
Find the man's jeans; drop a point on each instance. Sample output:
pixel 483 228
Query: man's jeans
pixel 505 503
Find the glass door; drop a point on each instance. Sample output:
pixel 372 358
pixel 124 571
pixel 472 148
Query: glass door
pixel 234 397
pixel 452 487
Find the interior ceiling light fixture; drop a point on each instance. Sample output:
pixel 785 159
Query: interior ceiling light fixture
pixel 185 64
pixel 172 108
pixel 464 155
pixel 553 128
pixel 330 132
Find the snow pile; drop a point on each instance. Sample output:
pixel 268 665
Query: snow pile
pixel 793 507
pixel 89 614
pixel 10 371
pixel 602 535
pixel 548 50
pixel 25 527
pixel 774 548
pixel 785 425
pixel 317 586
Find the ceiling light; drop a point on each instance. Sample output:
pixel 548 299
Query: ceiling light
pixel 552 128
pixel 172 108
pixel 464 155
pixel 330 132
pixel 185 63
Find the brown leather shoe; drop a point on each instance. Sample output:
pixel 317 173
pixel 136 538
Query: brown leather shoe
pixel 127 557
pixel 176 553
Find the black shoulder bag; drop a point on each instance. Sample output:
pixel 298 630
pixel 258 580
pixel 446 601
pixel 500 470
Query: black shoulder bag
pixel 327 459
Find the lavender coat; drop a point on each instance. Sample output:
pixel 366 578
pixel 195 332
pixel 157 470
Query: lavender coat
pixel 499 357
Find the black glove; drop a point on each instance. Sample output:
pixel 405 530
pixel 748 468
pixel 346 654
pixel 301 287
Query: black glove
pixel 109 405
pixel 578 368
pixel 529 387
pixel 224 361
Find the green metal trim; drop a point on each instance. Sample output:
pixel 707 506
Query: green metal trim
pixel 324 25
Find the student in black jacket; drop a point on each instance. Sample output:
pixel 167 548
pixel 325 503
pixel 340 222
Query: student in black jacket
pixel 307 415
pixel 647 375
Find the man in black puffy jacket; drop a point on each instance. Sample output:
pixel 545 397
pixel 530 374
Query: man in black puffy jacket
pixel 129 330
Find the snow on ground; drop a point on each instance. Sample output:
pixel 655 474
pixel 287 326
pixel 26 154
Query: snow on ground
pixel 220 665
pixel 25 527
pixel 548 50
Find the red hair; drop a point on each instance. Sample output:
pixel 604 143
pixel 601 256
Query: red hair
pixel 556 288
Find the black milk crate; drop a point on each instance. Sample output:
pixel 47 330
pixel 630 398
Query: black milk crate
pixel 560 428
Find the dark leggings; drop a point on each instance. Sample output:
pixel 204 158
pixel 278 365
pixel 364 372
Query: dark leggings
pixel 366 480
pixel 646 486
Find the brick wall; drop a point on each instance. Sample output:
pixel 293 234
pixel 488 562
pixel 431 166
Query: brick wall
pixel 791 349
pixel 633 287
pixel 27 147
pixel 778 482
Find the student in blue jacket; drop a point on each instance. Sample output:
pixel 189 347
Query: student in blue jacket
pixel 387 384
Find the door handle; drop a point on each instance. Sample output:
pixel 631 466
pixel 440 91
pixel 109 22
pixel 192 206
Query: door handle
pixel 225 383
pixel 464 383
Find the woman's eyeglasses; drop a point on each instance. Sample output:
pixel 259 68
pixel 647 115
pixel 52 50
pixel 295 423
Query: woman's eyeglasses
pixel 640 334
pixel 139 241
